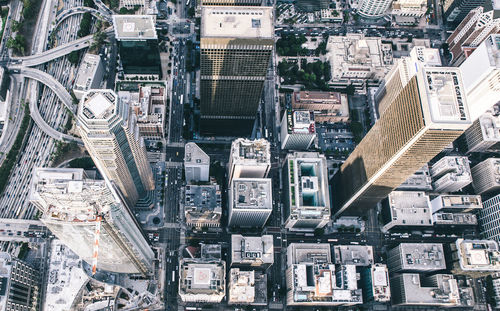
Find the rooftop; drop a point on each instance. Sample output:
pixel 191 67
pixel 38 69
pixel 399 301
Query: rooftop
pixel 194 155
pixel 308 253
pixel 237 22
pixel 478 255
pixel 448 164
pixel 246 249
pixel 198 277
pixel 134 27
pixel 202 203
pixel 148 103
pixel 247 151
pixel 427 56
pixel 456 202
pixel 247 287
pixel 490 126
pixel 357 255
pixel 98 104
pixel 380 283
pixel 445 290
pixel 86 72
pixel 445 95
pixel 251 193
pixel 317 97
pixel 457 219
pixel 407 208
pixel 421 256
pixel 300 122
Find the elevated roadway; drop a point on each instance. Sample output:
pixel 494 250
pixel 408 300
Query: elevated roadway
pixel 80 10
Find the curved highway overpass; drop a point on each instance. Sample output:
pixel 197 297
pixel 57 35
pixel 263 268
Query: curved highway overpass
pixel 60 51
pixel 79 10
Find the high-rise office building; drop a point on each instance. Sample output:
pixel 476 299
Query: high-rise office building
pixel 484 134
pixel 456 10
pixel 250 202
pixel 236 46
pixel 89 75
pixel 202 205
pixel 473 30
pixel 486 176
pixel 481 76
pixel 202 280
pixel 375 281
pixel 489 219
pixel 20 285
pixel 111 136
pixel 137 43
pixel 297 130
pixel 406 210
pixel 247 287
pixel 456 203
pixel 252 251
pixel 404 69
pixel 74 206
pixel 196 163
pixel 373 8
pixel 249 158
pixel 427 115
pixel 413 257
pixel 307 196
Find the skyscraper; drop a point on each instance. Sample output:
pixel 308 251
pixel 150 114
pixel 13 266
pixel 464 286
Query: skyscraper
pixel 250 202
pixel 474 29
pixel 196 163
pixel 109 131
pixel 428 113
pixel 373 8
pixel 481 75
pixel 73 206
pixel 456 10
pixel 249 158
pixel 489 219
pixel 236 46
pixel 20 285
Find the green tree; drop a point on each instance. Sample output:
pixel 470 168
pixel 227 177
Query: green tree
pixel 15 26
pixel 74 57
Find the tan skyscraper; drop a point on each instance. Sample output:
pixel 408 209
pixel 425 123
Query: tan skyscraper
pixel 429 113
pixel 236 46
pixel 111 136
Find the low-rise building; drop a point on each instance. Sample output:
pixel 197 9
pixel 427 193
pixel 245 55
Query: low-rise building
pixel 439 290
pixel 250 202
pixel 414 8
pixel 202 205
pixel 20 285
pixel 475 257
pixel 148 104
pixel 196 163
pixel 297 130
pixel 312 279
pixel 484 134
pixel 406 210
pixel 328 107
pixel 419 181
pixel 249 158
pixel 89 75
pixel 202 280
pixel 456 203
pixel 356 59
pixel 451 220
pixel 247 287
pixel 413 257
pixel 486 176
pixel 450 174
pixel 253 252
pixel 356 255
pixel 307 195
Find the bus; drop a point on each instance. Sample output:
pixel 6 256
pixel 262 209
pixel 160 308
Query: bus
pixel 173 276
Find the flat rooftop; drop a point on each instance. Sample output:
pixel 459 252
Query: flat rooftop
pixel 422 256
pixel 478 255
pixel 427 56
pixel 252 193
pixel 357 255
pixel 490 127
pixel 237 22
pixel 457 219
pixel 194 155
pixel 409 208
pixel 445 95
pixel 301 122
pixel 308 252
pixel 458 202
pixel 134 27
pixel 420 180
pixel 247 287
pixel 380 283
pixel 86 71
pixel 251 151
pixel 204 278
pixel 246 248
pixel 99 104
